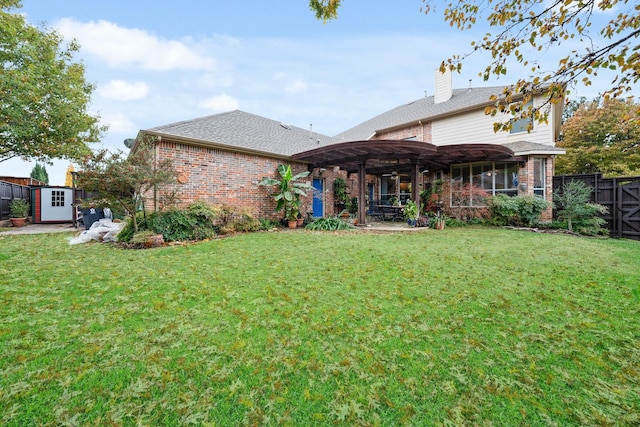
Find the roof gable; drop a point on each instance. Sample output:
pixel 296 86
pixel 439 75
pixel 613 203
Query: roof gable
pixel 424 109
pixel 241 130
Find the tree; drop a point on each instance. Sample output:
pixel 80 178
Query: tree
pixel 43 94
pixel 522 29
pixel 68 177
pixel 602 137
pixel 124 182
pixel 39 172
pixel 574 207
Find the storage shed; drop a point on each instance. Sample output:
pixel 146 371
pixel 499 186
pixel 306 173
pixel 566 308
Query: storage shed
pixel 52 204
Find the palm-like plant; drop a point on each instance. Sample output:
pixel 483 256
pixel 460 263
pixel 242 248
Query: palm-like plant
pixel 288 191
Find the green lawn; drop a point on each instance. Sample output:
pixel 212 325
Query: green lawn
pixel 456 327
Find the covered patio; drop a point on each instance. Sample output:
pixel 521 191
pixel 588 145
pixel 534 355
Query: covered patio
pixel 378 157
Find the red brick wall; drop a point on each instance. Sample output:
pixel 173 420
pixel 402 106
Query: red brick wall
pixel 223 177
pixel 329 175
pixel 526 175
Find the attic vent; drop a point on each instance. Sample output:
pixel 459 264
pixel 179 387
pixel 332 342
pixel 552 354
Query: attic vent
pixel 285 126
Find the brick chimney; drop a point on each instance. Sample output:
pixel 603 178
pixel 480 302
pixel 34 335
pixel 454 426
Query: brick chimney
pixel 444 87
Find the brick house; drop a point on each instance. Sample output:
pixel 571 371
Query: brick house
pixel 445 137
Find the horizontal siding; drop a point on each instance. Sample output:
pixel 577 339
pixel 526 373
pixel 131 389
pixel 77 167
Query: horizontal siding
pixel 475 127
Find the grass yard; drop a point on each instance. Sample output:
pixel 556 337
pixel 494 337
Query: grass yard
pixel 458 327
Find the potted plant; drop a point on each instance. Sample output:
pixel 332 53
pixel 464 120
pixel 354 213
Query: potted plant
pixel 340 193
pixel 18 212
pixel 411 212
pixel 292 212
pixel 288 191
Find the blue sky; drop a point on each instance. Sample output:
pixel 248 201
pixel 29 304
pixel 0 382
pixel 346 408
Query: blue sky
pixel 158 62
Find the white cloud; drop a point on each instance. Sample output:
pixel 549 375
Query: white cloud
pixel 121 47
pixel 220 103
pixel 122 90
pixel 212 80
pixel 119 124
pixel 296 86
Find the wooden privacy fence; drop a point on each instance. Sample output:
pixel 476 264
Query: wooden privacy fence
pixel 8 192
pixel 621 196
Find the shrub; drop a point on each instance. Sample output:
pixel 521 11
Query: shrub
pixel 581 216
pixel 19 208
pixel 204 217
pixel 174 224
pixel 198 221
pixel 141 238
pixel 268 224
pixel 516 211
pixel 230 219
pixel 127 232
pixel 329 224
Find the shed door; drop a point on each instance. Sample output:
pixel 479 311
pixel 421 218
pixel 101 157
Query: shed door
pixel 55 204
pixel 318 198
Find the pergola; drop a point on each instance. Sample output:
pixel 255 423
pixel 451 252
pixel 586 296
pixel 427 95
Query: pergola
pixel 377 157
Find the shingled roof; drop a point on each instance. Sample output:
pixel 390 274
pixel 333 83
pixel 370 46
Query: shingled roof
pixel 422 109
pixel 240 130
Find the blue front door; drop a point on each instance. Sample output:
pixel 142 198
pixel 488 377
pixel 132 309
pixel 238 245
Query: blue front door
pixel 318 198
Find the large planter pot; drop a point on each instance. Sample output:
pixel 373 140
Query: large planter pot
pixel 300 222
pixel 18 222
pixel 293 224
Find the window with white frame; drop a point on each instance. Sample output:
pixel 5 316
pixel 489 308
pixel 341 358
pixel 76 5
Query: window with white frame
pixel 539 174
pixel 473 183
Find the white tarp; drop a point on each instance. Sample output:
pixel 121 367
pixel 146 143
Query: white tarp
pixel 103 230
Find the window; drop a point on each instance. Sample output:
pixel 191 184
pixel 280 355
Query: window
pixel 539 169
pixel 473 183
pixel 57 198
pixel 521 125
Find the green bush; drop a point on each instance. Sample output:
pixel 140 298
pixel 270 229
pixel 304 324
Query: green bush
pixel 581 216
pixel 141 238
pixel 268 224
pixel 126 234
pixel 174 224
pixel 230 219
pixel 516 211
pixel 329 224
pixel 198 221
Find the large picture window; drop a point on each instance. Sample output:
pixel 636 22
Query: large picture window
pixel 473 183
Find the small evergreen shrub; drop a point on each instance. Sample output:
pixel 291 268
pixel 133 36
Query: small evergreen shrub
pixel 174 224
pixel 581 216
pixel 517 211
pixel 230 219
